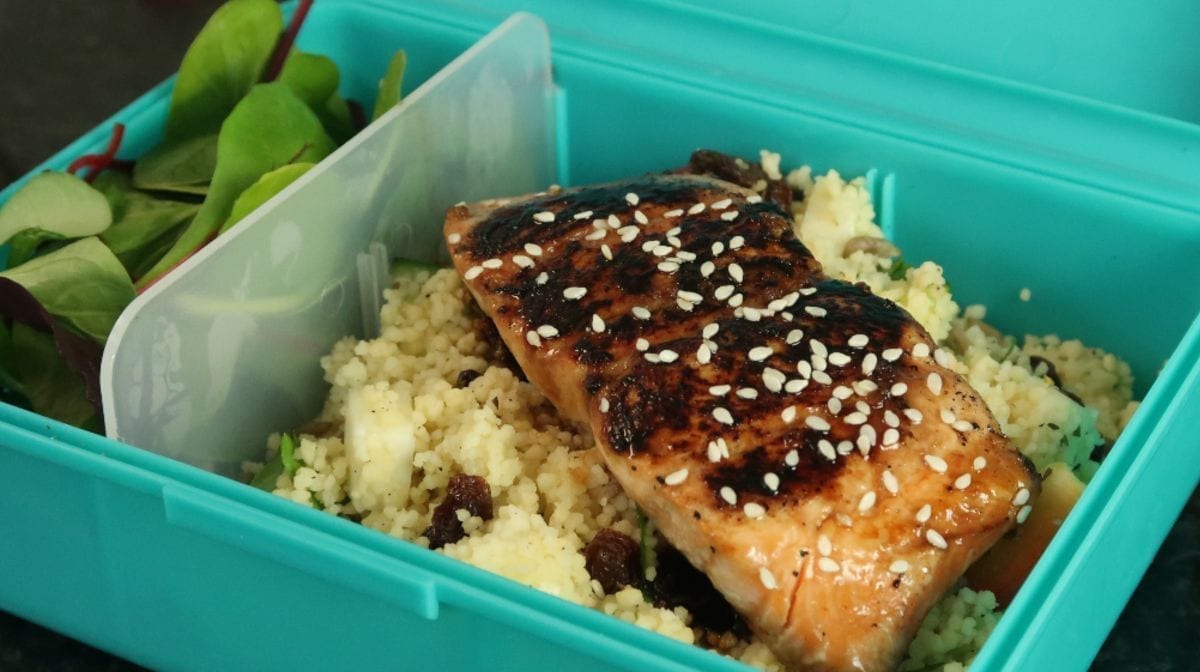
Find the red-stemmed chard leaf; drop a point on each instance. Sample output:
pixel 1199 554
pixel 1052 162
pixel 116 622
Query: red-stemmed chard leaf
pixel 284 46
pixel 98 163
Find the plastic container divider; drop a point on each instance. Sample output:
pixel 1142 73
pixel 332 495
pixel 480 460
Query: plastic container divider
pixel 197 349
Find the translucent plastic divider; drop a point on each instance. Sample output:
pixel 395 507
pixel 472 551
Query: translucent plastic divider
pixel 226 349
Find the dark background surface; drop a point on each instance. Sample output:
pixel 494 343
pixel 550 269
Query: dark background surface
pixel 66 65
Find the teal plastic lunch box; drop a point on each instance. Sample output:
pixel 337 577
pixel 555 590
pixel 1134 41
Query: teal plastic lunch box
pixel 1054 147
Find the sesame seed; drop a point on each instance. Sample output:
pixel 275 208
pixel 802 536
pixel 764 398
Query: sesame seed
pixel 863 407
pixel 824 545
pixel 662 250
pixel 722 415
pixel 747 393
pixel 789 414
pixel 673 213
pixel 604 405
pixel 963 426
pixel 533 249
pixel 544 217
pixel 717 248
pixel 691 297
pixel 649 245
pixel 631 198
pixel 817 422
pixel 719 390
pixel 473 272
pixel 924 513
pixel 676 477
pixel 542 278
pixel 707 268
pixel 804 368
pixel 675 231
pixel 710 330
pixel 574 293
pixel 754 198
pixel 867 502
pixel 760 353
pixel 808 291
pixel 963 482
pixel 668 356
pixel 606 251
pixel 685 306
pixel 773 379
pixel 794 336
pixel 890 418
pixel 947 416
pixel 839 358
pixel 703 354
pixel 1023 514
pixel 729 217
pixel 979 463
pixel 724 446
pixel 890 483
pixel 533 339
pixel 920 350
pixel 751 314
pixel 522 261
pixel 597 324
pixel 942 357
pixel 869 363
pixel 818 348
pixel 828 565
pixel 627 230
pixel 898 567
pixel 835 405
pixel 842 392
pixel 864 387
pixel 696 209
pixel 684 255
pixel 754 510
pixel 936 463
pixel 652 357
pixel 714 452
pixel 892 354
pixel 1021 498
pixel 735 300
pixel 858 341
pixel 735 272
pixel 492 264
pixel 827 450
pixel 454 238
pixel 792 458
pixel 913 415
pixel 722 204
pixel 795 386
pixel 729 495
pixel 815 311
pixel 547 331
pixel 640 217
pixel 771 480
pixel 934 381
pixel 935 539
pixel 629 236
pixel 899 389
pixel 641 344
pixel 583 215
pixel 737 242
pixel 855 418
pixel 767 578
pixel 641 313
pixel 822 377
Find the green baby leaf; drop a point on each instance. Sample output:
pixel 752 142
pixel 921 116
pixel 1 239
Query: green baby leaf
pixel 82 284
pixel 226 59
pixel 33 365
pixel 390 85
pixel 261 191
pixel 144 226
pixel 51 206
pixel 184 166
pixel 312 77
pixel 270 128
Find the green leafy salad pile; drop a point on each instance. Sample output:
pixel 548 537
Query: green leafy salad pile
pixel 249 114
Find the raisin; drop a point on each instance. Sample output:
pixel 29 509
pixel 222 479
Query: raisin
pixel 464 492
pixel 466 377
pixel 679 584
pixel 612 558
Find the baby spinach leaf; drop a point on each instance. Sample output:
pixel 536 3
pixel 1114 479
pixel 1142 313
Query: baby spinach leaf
pixel 270 128
pixel 184 166
pixel 44 379
pixel 51 206
pixel 226 59
pixel 144 226
pixel 83 284
pixel 389 86
pixel 261 191
pixel 312 77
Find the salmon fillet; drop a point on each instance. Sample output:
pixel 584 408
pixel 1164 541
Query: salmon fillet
pixel 794 436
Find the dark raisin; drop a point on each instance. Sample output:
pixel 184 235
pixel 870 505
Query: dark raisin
pixel 613 559
pixel 464 492
pixel 466 377
pixel 679 584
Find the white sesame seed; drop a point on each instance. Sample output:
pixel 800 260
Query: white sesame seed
pixel 547 331
pixel 719 390
pixel 935 539
pixel 913 415
pixel 684 255
pixel 936 463
pixel 845 447
pixel 737 242
pixel 817 422
pixel 533 249
pixel 492 263
pixel 834 405
pixel 641 313
pixel 868 363
pixel 454 238
pixel 1023 514
pixel 668 267
pixel 631 198
pixel 839 358
pixel 858 341
pixel 696 209
pixel 828 565
pixel 673 213
pixel 707 268
pixel 942 357
pixel 642 345
pixel 792 458
pixel 924 513
pixel 543 277
pixel 898 567
pixel 963 482
pixel 747 393
pixel 1021 497
pixel 920 350
pixel 804 368
pixel 717 248
pixel 710 330
pixel 634 230
pixel 808 291
pixel 795 386
pixel 729 495
pixel 662 250
pixel 629 236
pixel 574 293
pixel 604 405
pixel 583 215
pixel 898 389
pixel 934 381
pixel 773 379
pixel 822 377
pixel 818 348
pixel 867 502
pixel 827 450
pixel 863 407
pixel 703 354
pixel 890 418
pixel 819 363
pixel 640 217
pixel 754 510
pixel 735 272
pixel 754 198
pixel 767 578
pixel 651 357
pixel 815 311
pixel 855 418
pixel 947 416
pixel 892 354
pixel 963 426
pixel 736 300
pixel 649 245
pixel 789 414
pixel 533 339
pixel 824 545
pixel 674 230
pixel 724 446
pixel 729 217
pixel 596 235
pixel 522 261
pixel 760 353
pixel 864 387
pixel 722 415
pixel 794 336
pixel 751 314
pixel 890 483
pixel 668 356
pixel 722 204
pixel 676 477
pixel 473 272
pixel 597 324
pixel 544 217
pixel 714 452
pixel 771 480
pixel 685 306
pixel 979 463
pixel 691 297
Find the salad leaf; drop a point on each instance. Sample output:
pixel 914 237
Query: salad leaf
pixel 144 226
pixel 83 284
pixel 389 86
pixel 50 386
pixel 52 206
pixel 185 166
pixel 270 128
pixel 261 191
pixel 226 59
pixel 285 461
